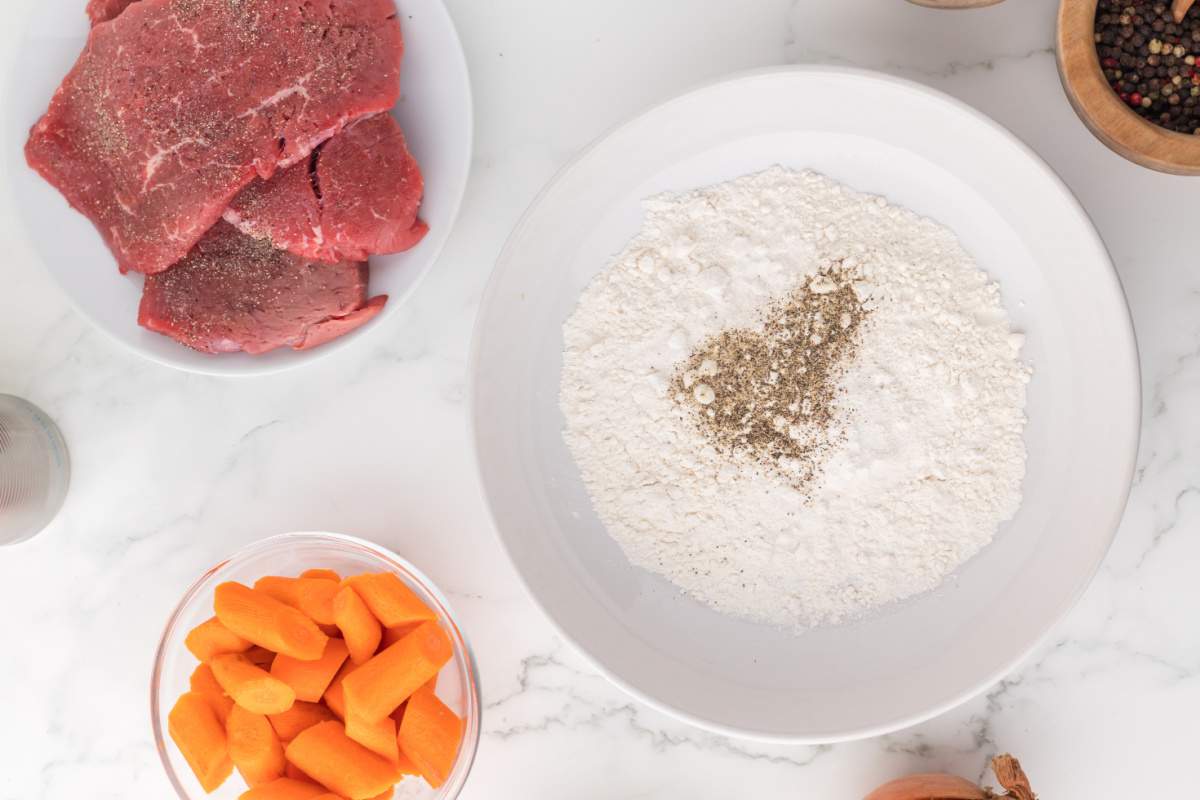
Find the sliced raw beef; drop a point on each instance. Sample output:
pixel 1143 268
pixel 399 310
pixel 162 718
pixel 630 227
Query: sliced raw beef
pixel 237 293
pixel 357 196
pixel 104 10
pixel 176 105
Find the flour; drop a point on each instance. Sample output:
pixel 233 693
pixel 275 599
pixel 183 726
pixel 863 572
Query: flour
pixel 930 456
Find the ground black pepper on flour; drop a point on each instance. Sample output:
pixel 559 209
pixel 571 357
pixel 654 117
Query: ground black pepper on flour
pixel 771 394
pixel 926 456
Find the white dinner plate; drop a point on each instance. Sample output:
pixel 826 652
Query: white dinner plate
pixel 909 661
pixel 435 111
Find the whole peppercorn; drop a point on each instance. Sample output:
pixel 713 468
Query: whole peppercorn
pixel 1149 59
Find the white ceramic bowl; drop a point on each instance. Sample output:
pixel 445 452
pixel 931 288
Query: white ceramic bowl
pixel 435 111
pixel 938 157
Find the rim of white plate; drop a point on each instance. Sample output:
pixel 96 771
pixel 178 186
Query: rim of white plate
pixel 260 368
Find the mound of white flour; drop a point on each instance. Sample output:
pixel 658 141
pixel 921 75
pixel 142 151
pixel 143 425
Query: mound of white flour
pixel 930 456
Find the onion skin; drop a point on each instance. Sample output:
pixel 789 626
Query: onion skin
pixel 929 786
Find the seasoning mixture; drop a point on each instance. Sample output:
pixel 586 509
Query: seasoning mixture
pixel 771 395
pixel 679 360
pixel 1149 59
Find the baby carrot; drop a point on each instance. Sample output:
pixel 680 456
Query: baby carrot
pixel 260 656
pixel 341 764
pixel 310 679
pixel 389 599
pixel 265 621
pixel 194 727
pixel 335 696
pixel 300 716
pixel 205 684
pixel 313 596
pixel 254 747
pixel 378 687
pixel 358 625
pixel 211 638
pixel 251 687
pixel 327 574
pixel 396 633
pixel 285 789
pixel 430 734
pixel 378 737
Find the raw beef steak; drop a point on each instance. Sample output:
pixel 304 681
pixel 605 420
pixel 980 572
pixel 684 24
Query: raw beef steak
pixel 357 196
pixel 103 10
pixel 176 105
pixel 236 293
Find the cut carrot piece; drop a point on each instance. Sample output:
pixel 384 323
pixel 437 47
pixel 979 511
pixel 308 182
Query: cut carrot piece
pixel 405 764
pixel 339 763
pixel 430 735
pixel 265 621
pixel 285 789
pixel 388 794
pixel 378 687
pixel 251 687
pixel 396 633
pixel 378 737
pixel 282 589
pixel 335 696
pixel 297 718
pixel 211 638
pixel 204 683
pixel 260 656
pixel 254 747
pixel 310 679
pixel 358 625
pixel 389 599
pixel 312 596
pixel 294 772
pixel 327 574
pixel 200 736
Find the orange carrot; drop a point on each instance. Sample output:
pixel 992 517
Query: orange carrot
pixel 341 764
pixel 378 737
pixel 376 689
pixel 389 599
pixel 358 625
pixel 260 656
pixel 267 622
pixel 313 596
pixel 327 574
pixel 335 697
pixel 251 687
pixel 430 734
pixel 300 716
pixel 199 735
pixel 405 764
pixel 387 794
pixel 310 679
pixel 204 683
pixel 396 633
pixel 211 638
pixel 294 772
pixel 285 789
pixel 254 747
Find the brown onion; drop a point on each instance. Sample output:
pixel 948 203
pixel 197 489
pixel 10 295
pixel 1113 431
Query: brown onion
pixel 937 786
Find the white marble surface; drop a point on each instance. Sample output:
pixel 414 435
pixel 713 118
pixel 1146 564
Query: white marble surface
pixel 174 471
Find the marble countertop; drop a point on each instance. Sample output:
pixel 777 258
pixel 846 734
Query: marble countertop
pixel 174 471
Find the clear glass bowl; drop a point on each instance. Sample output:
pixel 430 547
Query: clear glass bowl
pixel 291 554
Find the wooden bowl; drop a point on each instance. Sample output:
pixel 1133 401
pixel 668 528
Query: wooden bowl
pixel 954 3
pixel 1104 113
